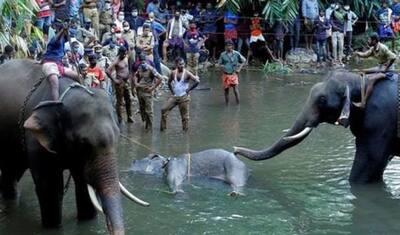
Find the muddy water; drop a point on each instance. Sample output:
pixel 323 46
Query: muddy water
pixel 303 191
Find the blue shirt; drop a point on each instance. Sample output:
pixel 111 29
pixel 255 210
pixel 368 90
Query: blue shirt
pixel 74 8
pixel 55 50
pixel 210 18
pixel 310 9
pixel 231 17
pixel 192 39
pixel 134 22
pixel 157 29
pixel 151 7
pixel 396 9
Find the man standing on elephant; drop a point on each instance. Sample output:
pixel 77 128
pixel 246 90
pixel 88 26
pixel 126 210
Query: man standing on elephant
pixel 146 79
pixel 178 83
pixel 121 83
pixel 52 60
pixel 231 62
pixel 385 58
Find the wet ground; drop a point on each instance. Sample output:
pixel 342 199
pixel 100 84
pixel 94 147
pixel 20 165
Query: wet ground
pixel 302 191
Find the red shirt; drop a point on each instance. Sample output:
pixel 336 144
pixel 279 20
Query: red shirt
pixel 97 73
pixel 45 10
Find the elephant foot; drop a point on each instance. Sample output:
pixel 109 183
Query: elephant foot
pixel 87 215
pixel 51 224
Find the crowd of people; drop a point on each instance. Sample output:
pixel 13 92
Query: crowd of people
pixel 113 45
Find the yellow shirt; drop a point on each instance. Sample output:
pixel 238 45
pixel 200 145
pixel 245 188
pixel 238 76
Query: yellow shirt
pixel 382 53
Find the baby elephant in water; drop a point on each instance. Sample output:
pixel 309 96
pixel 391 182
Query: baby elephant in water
pixel 213 163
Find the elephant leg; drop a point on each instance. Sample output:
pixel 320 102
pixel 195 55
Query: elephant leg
pixel 49 184
pixel 8 181
pixel 84 206
pixel 372 157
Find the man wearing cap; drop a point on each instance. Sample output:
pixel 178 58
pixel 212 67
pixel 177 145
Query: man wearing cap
pixel 102 61
pixel 121 83
pixel 90 12
pixel 145 42
pixel 231 62
pixel 146 79
pixel 106 19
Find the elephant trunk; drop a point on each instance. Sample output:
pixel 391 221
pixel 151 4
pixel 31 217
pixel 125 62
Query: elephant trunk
pixel 299 131
pixel 103 176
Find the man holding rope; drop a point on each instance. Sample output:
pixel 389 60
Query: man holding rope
pixel 385 58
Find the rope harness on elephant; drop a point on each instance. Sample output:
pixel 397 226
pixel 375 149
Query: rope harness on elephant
pixel 21 118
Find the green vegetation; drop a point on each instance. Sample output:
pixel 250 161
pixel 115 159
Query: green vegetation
pixel 288 9
pixel 15 24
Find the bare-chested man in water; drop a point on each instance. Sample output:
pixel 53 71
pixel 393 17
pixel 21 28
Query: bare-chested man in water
pixel 121 83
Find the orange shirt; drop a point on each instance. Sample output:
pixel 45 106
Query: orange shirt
pixel 255 27
pixel 97 73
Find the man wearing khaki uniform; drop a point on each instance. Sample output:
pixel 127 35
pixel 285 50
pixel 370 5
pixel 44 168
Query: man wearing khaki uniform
pixel 90 12
pixel 146 80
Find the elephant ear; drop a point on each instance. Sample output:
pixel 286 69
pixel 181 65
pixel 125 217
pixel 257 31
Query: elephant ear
pixel 44 124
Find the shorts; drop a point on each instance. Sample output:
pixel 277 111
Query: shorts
pixel 229 80
pixel 309 25
pixel 230 34
pixel 52 68
pixel 175 42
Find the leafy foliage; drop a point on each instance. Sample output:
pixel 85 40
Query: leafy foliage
pixel 287 10
pixel 15 24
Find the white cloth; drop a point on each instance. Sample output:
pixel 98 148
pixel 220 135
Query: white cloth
pixel 256 38
pixel 171 28
pixel 180 87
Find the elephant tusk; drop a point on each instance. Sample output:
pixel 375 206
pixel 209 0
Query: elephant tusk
pixel 93 198
pixel 299 135
pixel 129 195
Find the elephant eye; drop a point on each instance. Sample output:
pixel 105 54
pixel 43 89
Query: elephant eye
pixel 322 99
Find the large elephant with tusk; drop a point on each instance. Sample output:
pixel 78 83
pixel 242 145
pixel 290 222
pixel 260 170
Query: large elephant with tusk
pixel 375 127
pixel 78 133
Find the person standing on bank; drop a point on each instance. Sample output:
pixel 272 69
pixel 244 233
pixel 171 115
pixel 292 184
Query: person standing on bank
pixel 231 62
pixel 179 84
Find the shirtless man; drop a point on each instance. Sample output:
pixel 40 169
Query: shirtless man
pixel 178 83
pixel 121 83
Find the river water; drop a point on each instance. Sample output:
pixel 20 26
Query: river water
pixel 305 190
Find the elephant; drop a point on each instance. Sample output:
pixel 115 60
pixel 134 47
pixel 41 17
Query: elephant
pixel 374 127
pixel 76 133
pixel 214 163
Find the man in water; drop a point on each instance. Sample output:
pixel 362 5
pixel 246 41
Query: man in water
pixel 385 58
pixel 121 83
pixel 178 83
pixel 146 79
pixel 231 62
